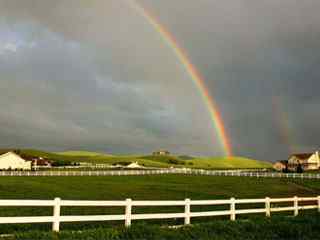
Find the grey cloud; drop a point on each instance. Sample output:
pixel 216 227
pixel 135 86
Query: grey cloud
pixel 57 95
pixel 99 65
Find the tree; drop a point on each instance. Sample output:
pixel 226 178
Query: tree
pixel 17 151
pixel 61 163
pixel 286 169
pixel 299 168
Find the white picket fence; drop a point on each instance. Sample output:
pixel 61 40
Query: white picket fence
pixel 185 171
pixel 128 204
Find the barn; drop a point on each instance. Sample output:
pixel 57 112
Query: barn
pixel 12 161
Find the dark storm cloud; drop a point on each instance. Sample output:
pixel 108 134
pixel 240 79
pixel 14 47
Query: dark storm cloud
pixel 95 75
pixel 251 52
pixel 62 93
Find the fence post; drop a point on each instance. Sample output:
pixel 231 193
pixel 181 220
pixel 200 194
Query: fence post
pixel 318 203
pixel 232 209
pixel 128 212
pixel 295 205
pixel 56 215
pixel 268 211
pixel 187 211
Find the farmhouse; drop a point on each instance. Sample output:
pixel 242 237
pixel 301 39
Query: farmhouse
pixel 12 161
pixel 161 153
pixel 308 161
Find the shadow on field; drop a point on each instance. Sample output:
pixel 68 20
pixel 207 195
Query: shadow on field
pixel 306 226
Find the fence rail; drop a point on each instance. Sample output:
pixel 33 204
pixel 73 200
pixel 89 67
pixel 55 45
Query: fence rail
pixel 128 204
pixel 235 173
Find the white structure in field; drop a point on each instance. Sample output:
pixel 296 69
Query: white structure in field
pixel 13 161
pixel 134 165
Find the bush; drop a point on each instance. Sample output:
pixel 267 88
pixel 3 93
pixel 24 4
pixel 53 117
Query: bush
pixel 176 162
pixel 61 163
pixel 121 163
pixel 299 168
pixel 173 161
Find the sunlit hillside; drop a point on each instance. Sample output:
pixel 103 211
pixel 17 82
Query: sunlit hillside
pixel 148 161
pixel 82 153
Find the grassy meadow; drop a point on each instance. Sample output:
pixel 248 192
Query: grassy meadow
pixel 149 160
pixel 170 187
pixel 154 187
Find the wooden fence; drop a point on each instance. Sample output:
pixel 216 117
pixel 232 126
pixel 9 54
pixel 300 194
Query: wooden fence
pixel 128 204
pixel 184 171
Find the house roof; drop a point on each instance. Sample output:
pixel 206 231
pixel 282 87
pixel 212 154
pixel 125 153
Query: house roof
pixel 302 155
pixel 8 153
pixel 42 162
pixel 11 153
pixel 24 157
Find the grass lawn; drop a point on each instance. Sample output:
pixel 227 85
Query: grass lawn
pixel 154 187
pixel 169 187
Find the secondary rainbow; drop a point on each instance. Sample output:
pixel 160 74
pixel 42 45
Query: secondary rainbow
pixel 193 73
pixel 282 118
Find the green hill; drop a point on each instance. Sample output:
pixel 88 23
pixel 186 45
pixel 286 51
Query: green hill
pixel 229 163
pixel 212 163
pixel 82 153
pixel 148 161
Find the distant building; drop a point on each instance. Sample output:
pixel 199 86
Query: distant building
pixel 40 163
pixel 308 161
pixel 161 153
pixel 280 165
pixel 36 162
pixel 12 161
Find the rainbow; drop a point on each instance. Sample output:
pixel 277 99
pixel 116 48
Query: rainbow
pixel 285 126
pixel 193 73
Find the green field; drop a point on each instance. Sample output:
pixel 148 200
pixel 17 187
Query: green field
pixel 148 161
pixel 170 187
pixel 153 187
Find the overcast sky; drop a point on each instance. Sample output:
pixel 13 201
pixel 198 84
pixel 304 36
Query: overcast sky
pixel 94 75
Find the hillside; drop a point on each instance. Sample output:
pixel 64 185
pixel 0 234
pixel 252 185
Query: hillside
pixel 230 162
pixel 149 161
pixel 82 153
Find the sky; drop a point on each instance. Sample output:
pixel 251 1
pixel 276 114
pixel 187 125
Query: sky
pixel 95 75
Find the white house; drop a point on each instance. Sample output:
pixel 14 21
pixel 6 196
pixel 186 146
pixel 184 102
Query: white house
pixel 13 161
pixel 308 161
